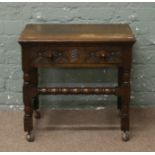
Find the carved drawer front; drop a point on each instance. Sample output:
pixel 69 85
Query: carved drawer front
pixel 105 54
pixel 76 55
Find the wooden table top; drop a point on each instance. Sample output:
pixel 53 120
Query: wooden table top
pixel 77 33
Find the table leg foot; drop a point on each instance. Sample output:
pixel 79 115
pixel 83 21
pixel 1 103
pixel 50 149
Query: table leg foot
pixel 125 135
pixel 30 136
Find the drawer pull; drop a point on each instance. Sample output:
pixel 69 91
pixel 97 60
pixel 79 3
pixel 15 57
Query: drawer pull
pixel 102 54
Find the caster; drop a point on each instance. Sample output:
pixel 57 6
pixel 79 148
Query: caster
pixel 125 135
pixel 30 137
pixel 37 114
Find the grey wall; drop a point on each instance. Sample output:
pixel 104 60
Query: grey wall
pixel 140 16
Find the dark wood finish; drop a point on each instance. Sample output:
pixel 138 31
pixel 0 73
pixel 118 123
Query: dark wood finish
pixel 76 45
pixel 77 90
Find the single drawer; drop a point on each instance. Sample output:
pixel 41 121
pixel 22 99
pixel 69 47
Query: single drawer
pixel 76 55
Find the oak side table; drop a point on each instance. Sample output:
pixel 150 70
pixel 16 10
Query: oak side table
pixel 76 45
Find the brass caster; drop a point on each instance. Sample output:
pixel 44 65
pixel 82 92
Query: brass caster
pixel 37 114
pixel 30 137
pixel 125 135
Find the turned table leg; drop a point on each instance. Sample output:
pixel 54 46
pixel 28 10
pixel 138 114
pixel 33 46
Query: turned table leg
pixel 125 104
pixel 36 98
pixel 29 92
pixel 28 107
